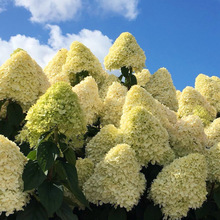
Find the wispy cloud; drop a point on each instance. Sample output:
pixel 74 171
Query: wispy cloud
pixel 98 43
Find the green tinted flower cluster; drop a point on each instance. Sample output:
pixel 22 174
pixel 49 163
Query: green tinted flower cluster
pixel 58 108
pixel 181 186
pixel 117 179
pixel 125 52
pixel 12 162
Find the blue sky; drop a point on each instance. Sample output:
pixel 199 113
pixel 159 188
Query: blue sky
pixel 181 35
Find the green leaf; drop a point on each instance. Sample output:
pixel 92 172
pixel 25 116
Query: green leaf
pixel 152 213
pixel 32 175
pixel 120 77
pixel 25 148
pixel 65 212
pixel 33 211
pixel 133 80
pixel 51 196
pixel 117 214
pixel 32 155
pixel 46 154
pixel 68 175
pixel 216 197
pixel 15 114
pixel 202 212
pixel 70 156
pixel 124 71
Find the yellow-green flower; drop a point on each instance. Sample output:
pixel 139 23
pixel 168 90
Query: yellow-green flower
pixel 58 108
pixel 180 186
pixel 125 52
pixel 117 179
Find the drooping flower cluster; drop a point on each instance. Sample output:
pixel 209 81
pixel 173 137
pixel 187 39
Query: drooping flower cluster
pixel 193 103
pixel 87 91
pixel 22 80
pixel 143 77
pixel 145 134
pixel 58 108
pixel 125 52
pixel 108 137
pixel 80 58
pixel 12 162
pixel 188 136
pixel 117 179
pixel 161 87
pixel 113 104
pixel 213 132
pixel 181 186
pixel 210 89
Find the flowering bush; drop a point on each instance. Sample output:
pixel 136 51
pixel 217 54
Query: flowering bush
pixel 79 143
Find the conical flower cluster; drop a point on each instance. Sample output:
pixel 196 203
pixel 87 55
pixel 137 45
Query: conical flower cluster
pixel 181 186
pixel 117 179
pixel 213 132
pixel 22 80
pixel 12 162
pixel 125 52
pixel 58 108
pixel 87 91
pixel 145 134
pixel 142 77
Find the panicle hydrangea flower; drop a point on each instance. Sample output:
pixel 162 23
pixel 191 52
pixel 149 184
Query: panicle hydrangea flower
pixel 161 87
pixel 193 103
pixel 99 145
pixel 213 132
pixel 12 162
pixel 138 96
pixel 22 80
pixel 188 136
pixel 178 95
pixel 145 134
pixel 80 58
pixel 210 89
pixel 106 83
pixel 117 179
pixel 180 186
pixel 54 67
pixel 215 78
pixel 87 91
pixel 125 52
pixel 213 163
pixel 142 77
pixel 113 104
pixel 58 107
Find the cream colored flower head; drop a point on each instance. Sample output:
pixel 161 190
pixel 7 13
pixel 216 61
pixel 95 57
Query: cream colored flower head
pixel 22 80
pixel 108 137
pixel 213 132
pixel 210 89
pixel 113 104
pixel 188 136
pixel 145 134
pixel 58 108
pixel 193 103
pixel 54 67
pixel 12 162
pixel 142 77
pixel 91 103
pixel 161 87
pixel 125 52
pixel 80 58
pixel 116 180
pixel 180 186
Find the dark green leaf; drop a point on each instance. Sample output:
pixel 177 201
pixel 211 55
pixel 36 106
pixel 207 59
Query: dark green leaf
pixel 46 154
pixel 14 114
pixel 25 148
pixel 204 211
pixel 70 156
pixel 32 155
pixel 51 196
pixel 152 213
pixel 120 77
pixel 216 197
pixel 65 212
pixel 33 211
pixel 133 80
pixel 68 174
pixel 117 214
pixel 124 71
pixel 32 175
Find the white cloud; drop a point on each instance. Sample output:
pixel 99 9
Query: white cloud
pixel 127 8
pixel 50 10
pixel 98 43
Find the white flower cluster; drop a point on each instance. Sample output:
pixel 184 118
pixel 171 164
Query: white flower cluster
pixel 12 162
pixel 143 77
pixel 213 132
